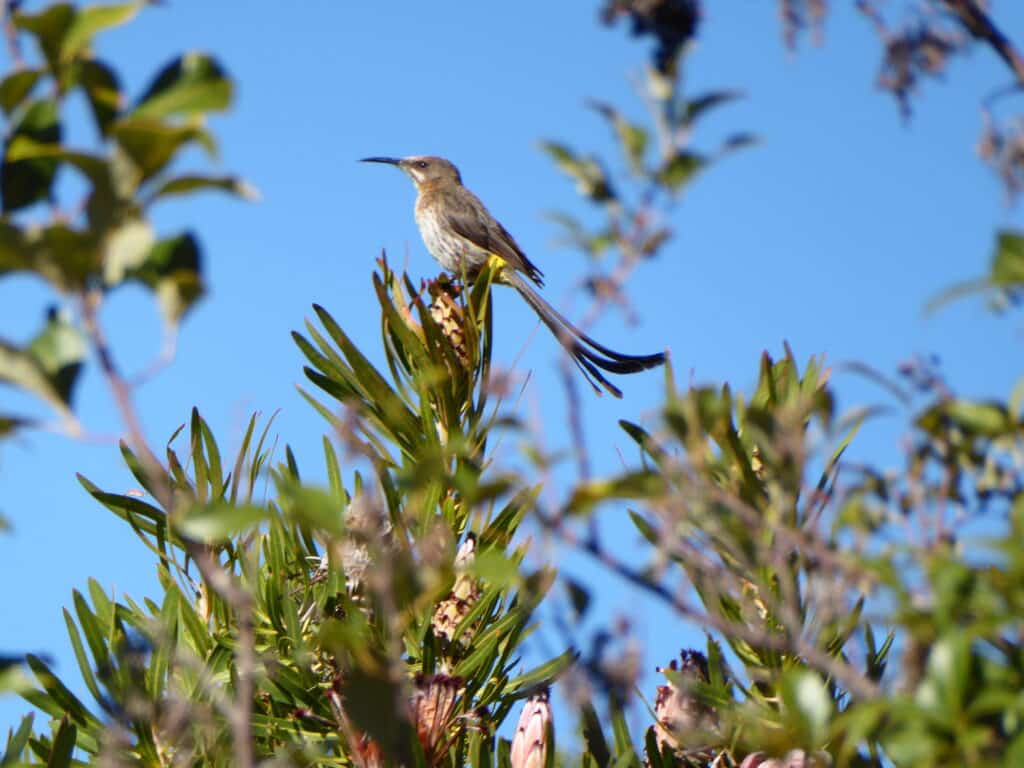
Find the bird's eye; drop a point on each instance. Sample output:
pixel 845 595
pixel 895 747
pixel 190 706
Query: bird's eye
pixel 421 164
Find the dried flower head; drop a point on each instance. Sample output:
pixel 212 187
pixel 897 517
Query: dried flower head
pixel 684 721
pixel 463 596
pixel 450 317
pixel 671 22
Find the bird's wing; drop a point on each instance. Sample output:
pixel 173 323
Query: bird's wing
pixel 475 223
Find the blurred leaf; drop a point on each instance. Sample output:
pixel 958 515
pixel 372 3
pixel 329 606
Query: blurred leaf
pixel 189 85
pixel 543 675
pixel 739 141
pixel 152 144
pixel 985 419
pixel 591 180
pixel 92 19
pixel 63 745
pixel 632 138
pixel 372 701
pixel 680 169
pixel 495 568
pixel 313 507
pixel 49 366
pixel 50 27
pixel 957 291
pixel 55 698
pixel 93 167
pixel 172 269
pixel 15 253
pixel 23 182
pixel 632 485
pixel 13 680
pixel 806 695
pixel 579 597
pixel 64 256
pixel 593 734
pixel 1008 262
pixel 10 424
pixel 220 521
pixel 183 185
pixel 59 349
pixel 103 92
pixel 16 87
pixel 706 102
pixel 126 250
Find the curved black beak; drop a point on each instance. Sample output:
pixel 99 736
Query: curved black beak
pixel 388 160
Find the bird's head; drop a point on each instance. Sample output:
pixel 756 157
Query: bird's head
pixel 422 169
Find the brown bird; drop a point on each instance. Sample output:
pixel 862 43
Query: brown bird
pixel 462 235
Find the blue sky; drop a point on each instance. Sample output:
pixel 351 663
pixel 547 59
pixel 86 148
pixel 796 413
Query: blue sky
pixel 831 234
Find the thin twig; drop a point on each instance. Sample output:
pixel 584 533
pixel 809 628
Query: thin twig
pixel 981 27
pixel 7 10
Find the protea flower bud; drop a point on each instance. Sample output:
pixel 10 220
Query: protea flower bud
pixel 530 744
pixel 795 758
pixel 432 711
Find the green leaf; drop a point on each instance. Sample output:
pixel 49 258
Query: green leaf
pixel 221 521
pixel 680 169
pixel 10 424
pixel 66 257
pixel 625 754
pixel 632 485
pixel 92 19
pixel 84 663
pixel 984 419
pixel 172 270
pixel 313 507
pixel 17 740
pixel 189 85
pixel 50 27
pixel 49 365
pixel 126 250
pixel 593 734
pixel 545 674
pixel 15 253
pixel 989 419
pixel 807 697
pixel 26 181
pixel 56 699
pixel 60 350
pixel 63 744
pixel 186 184
pixel 591 180
pixel 16 87
pixel 632 138
pixel 706 102
pixel 103 92
pixel 143 517
pixel 151 144
pixel 495 568
pixel 1008 262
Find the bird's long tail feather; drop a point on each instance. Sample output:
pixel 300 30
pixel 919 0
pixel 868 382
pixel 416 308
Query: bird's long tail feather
pixel 588 354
